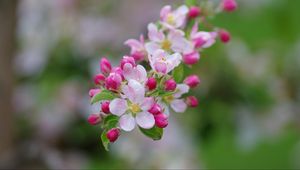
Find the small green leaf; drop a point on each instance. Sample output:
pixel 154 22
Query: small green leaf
pixel 154 133
pixel 105 140
pixel 110 121
pixel 103 95
pixel 166 93
pixel 191 2
pixel 178 73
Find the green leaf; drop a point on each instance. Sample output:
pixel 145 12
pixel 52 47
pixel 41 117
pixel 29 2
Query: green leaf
pixel 154 133
pixel 110 121
pixel 103 95
pixel 191 2
pixel 105 140
pixel 178 73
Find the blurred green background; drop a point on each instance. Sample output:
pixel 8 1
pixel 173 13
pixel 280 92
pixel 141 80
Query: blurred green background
pixel 249 111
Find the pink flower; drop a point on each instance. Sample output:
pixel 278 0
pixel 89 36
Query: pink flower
pixel 177 104
pixel 113 81
pixel 137 73
pixel 105 107
pixel 162 62
pixel 93 92
pixel 151 83
pixel 191 58
pixel 192 81
pixel 170 85
pixel 105 66
pixel 119 71
pixel 194 12
pixel 99 79
pixel 224 36
pixel 161 120
pixel 113 134
pixel 94 119
pixel 173 19
pixel 192 101
pixel 175 41
pixel 138 51
pixel 202 39
pixel 133 107
pixel 229 5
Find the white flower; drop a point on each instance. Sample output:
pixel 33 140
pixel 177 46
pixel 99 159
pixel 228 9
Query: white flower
pixel 133 107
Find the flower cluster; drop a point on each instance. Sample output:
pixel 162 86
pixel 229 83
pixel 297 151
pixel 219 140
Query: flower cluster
pixel 132 96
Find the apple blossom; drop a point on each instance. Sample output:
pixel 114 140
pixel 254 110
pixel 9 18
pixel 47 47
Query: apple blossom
pixel 138 51
pixel 173 19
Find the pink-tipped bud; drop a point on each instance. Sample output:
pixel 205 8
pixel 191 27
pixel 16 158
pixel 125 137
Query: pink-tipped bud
pixel 229 5
pixel 119 71
pixel 94 119
pixel 113 134
pixel 105 66
pixel 192 101
pixel 105 107
pixel 113 81
pixel 224 36
pixel 129 60
pixel 192 81
pixel 161 120
pixel 151 83
pixel 93 92
pixel 194 12
pixel 191 58
pixel 170 85
pixel 99 79
pixel 155 109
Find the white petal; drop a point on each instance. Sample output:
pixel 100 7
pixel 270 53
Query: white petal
pixel 128 71
pixel 151 47
pixel 141 73
pixel 181 89
pixel 138 91
pixel 127 122
pixel 147 103
pixel 178 105
pixel 118 106
pixel 154 34
pixel 173 61
pixel 145 120
pixel 165 11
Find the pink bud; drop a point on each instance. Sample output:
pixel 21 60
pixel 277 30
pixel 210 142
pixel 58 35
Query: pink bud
pixel 127 59
pixel 105 66
pixel 113 81
pixel 224 36
pixel 119 71
pixel 194 12
pixel 170 85
pixel 191 58
pixel 113 134
pixel 138 55
pixel 151 83
pixel 93 92
pixel 192 101
pixel 99 79
pixel 161 120
pixel 94 119
pixel 155 109
pixel 192 81
pixel 105 107
pixel 229 5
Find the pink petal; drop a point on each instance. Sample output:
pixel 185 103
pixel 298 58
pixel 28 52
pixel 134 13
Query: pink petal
pixel 127 122
pixel 138 91
pixel 178 105
pixel 181 89
pixel 147 103
pixel 154 34
pixel 165 11
pixel 145 120
pixel 118 106
pixel 134 44
pixel 141 73
pixel 160 67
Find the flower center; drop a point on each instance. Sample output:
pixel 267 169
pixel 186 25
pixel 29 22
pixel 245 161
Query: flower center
pixel 166 45
pixel 171 19
pixel 135 108
pixel 168 99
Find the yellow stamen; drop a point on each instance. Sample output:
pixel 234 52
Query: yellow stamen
pixel 166 45
pixel 170 19
pixel 168 99
pixel 135 108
